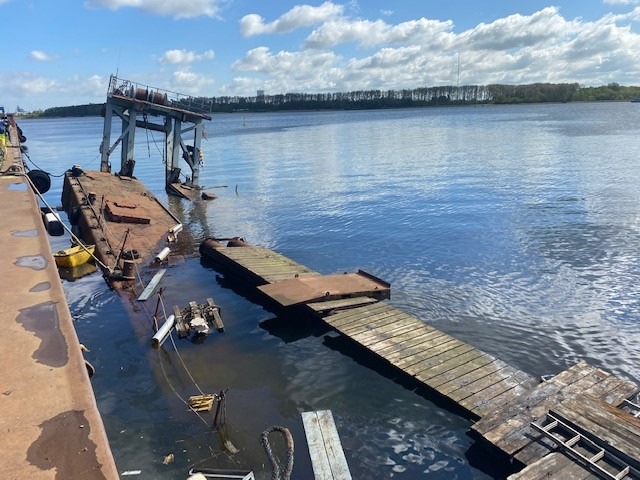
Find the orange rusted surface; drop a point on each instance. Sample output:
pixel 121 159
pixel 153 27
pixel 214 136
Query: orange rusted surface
pixel 106 207
pixel 49 420
pixel 297 290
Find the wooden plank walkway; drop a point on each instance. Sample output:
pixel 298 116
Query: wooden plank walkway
pixel 259 264
pixel 473 379
pixel 325 449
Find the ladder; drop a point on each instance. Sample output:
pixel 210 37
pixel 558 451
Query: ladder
pixel 556 430
pixel 632 406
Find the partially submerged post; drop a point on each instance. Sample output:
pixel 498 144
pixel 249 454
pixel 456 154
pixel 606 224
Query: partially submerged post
pixel 128 101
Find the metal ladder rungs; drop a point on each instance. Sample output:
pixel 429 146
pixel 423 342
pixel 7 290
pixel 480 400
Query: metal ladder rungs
pixel 547 428
pixel 577 437
pixel 572 441
pixel 597 456
pixel 623 473
pixel 634 406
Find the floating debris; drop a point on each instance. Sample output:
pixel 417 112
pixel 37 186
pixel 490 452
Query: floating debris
pixel 202 403
pixel 168 459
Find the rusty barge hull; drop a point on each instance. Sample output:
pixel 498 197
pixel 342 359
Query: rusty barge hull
pixel 117 214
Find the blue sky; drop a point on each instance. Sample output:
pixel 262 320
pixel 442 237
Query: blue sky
pixel 62 52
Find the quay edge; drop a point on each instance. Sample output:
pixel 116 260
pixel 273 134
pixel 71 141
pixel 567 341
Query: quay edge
pixel 50 423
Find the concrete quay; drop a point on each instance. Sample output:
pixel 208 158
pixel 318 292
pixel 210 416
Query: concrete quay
pixel 49 421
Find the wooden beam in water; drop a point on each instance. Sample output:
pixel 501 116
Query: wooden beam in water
pixel 148 291
pixel 325 449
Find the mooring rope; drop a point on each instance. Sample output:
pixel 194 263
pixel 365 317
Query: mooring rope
pixel 175 347
pixel 73 235
pixel 276 472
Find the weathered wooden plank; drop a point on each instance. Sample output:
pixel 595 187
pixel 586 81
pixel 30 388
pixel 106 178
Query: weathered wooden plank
pixel 148 291
pixel 399 350
pixel 514 439
pixel 470 381
pixel 433 356
pixel 497 395
pixel 491 393
pixel 387 324
pixel 477 363
pixel 554 465
pixel 347 316
pixel 337 460
pixel 604 424
pixel 317 450
pixel 431 345
pixel 400 339
pixel 532 398
pixel 371 323
pixel 382 335
pixel 327 457
pixel 612 393
pixel 601 383
pixel 446 361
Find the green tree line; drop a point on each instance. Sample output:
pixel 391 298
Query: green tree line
pixel 376 99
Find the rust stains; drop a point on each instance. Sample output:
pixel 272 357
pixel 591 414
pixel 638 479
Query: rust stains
pixel 43 321
pixel 64 444
pixel 36 262
pixel 40 287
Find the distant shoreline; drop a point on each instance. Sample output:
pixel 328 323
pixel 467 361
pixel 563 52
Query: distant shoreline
pixel 444 96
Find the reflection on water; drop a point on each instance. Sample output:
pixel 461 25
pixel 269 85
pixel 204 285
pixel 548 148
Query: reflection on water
pixel 513 228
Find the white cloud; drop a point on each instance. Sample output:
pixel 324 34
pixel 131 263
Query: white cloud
pixel 175 8
pixel 293 71
pixel 368 33
pixel 517 31
pixel 191 83
pixel 299 16
pixel 40 56
pixel 541 47
pixel 622 2
pixel 185 57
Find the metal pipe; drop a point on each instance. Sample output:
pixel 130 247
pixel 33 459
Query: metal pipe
pixel 164 253
pixel 163 332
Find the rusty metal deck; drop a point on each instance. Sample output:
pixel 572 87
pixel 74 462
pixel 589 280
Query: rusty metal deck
pixel 106 206
pixel 317 288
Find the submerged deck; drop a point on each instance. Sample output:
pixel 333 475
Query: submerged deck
pixel 109 209
pixel 505 399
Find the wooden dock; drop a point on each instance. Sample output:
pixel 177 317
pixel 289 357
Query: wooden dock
pixel 475 380
pixel 504 399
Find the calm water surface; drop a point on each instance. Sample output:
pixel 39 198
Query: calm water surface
pixel 515 229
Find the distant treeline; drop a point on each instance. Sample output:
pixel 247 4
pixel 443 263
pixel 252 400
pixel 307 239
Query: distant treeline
pixel 375 99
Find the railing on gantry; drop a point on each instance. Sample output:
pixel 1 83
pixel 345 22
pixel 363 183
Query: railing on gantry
pixel 159 96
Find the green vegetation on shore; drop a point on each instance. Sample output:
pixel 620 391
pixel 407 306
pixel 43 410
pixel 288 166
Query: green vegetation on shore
pixel 375 99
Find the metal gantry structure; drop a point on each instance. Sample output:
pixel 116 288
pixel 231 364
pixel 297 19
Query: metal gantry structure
pixel 134 104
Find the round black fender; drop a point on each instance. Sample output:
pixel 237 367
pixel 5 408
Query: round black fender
pixel 40 180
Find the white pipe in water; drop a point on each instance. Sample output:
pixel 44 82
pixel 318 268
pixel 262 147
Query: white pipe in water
pixel 164 253
pixel 163 332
